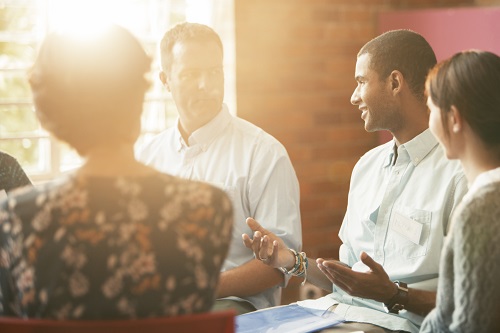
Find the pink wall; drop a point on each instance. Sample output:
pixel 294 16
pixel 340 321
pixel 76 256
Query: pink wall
pixel 448 30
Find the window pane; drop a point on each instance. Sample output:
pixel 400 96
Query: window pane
pixel 14 87
pixel 19 16
pixel 24 23
pixel 18 120
pixel 33 154
pixel 16 56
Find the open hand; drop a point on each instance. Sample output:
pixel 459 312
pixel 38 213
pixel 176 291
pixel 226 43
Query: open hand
pixel 268 247
pixel 372 284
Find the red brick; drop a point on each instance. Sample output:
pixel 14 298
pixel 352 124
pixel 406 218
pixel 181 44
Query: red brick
pixel 295 68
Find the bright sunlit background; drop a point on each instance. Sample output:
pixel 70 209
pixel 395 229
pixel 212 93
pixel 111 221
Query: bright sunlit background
pixel 24 23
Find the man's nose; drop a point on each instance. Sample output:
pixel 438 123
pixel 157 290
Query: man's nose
pixel 203 81
pixel 355 97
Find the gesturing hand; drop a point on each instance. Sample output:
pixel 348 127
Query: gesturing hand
pixel 268 247
pixel 373 284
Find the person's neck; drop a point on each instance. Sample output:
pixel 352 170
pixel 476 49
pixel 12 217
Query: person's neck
pixel 415 120
pixel 113 160
pixel 476 159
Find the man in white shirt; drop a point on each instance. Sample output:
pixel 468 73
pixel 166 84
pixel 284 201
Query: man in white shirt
pixel 400 200
pixel 210 144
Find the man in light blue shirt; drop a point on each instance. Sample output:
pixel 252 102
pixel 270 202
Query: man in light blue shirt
pixel 401 197
pixel 209 144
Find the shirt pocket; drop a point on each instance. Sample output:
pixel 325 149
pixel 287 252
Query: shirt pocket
pixel 403 244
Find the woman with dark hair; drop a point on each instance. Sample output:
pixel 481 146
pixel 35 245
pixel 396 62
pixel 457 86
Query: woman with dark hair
pixel 116 239
pixel 464 101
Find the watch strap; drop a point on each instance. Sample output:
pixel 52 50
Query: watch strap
pixel 399 301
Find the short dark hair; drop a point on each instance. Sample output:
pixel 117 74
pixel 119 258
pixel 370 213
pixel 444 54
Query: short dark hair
pixel 183 32
pixel 470 81
pixel 90 90
pixel 405 51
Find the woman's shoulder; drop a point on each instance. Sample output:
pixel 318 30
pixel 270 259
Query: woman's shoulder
pixel 485 199
pixel 479 213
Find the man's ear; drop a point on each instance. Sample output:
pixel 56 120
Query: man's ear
pixel 396 81
pixel 163 78
pixel 455 120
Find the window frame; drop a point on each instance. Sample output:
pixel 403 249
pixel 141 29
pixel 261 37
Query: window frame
pixel 159 109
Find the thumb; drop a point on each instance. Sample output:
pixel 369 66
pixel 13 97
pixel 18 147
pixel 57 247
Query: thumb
pixel 368 261
pixel 254 225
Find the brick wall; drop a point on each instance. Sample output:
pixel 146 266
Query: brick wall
pixel 295 62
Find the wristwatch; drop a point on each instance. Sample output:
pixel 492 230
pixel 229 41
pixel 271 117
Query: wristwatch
pixel 398 301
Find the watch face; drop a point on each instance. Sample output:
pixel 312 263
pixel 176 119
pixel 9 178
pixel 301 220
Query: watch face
pixel 401 286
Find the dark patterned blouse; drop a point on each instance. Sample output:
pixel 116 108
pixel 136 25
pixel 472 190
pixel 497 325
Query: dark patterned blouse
pixel 11 174
pixel 112 248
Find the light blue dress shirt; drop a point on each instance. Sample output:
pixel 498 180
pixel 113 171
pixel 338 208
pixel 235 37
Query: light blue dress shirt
pixel 251 166
pixel 398 213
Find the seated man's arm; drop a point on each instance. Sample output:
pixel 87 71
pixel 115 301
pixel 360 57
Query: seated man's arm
pixel 420 301
pixel 248 279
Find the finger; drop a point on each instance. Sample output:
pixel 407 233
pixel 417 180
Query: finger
pixel 337 266
pixel 275 248
pixel 340 273
pixel 326 272
pixel 247 240
pixel 319 264
pixel 264 251
pixel 256 244
pixel 254 225
pixel 342 285
pixel 368 261
pixel 336 279
pixel 274 255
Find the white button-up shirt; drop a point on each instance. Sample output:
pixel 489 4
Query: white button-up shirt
pixel 251 166
pixel 398 213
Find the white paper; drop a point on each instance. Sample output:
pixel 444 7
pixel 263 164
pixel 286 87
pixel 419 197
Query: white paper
pixel 407 227
pixel 288 318
pixel 322 303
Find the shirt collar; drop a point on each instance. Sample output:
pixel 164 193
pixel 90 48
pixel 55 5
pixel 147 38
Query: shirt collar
pixel 420 146
pixel 203 136
pixel 417 148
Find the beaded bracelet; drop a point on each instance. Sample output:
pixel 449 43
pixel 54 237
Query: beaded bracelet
pixel 300 267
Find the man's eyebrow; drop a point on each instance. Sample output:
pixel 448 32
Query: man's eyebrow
pixel 359 77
